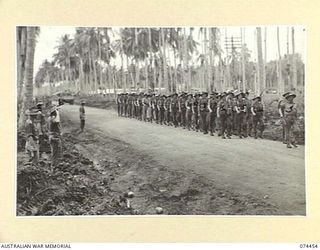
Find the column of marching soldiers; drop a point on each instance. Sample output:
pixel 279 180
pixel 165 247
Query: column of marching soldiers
pixel 227 113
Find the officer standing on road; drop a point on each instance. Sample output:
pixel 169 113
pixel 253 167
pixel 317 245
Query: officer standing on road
pixel 257 111
pixel 55 137
pixel 82 116
pixel 290 118
pixel 281 106
pixel 241 110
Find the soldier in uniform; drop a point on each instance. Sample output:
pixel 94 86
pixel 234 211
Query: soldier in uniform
pixel 149 108
pixel 182 110
pixel 174 109
pixel 140 106
pixel 211 116
pixel 160 108
pixel 41 129
pixel 249 122
pixel 281 113
pixel 222 113
pixel 257 111
pixel 144 107
pixel 230 113
pixel 188 105
pixel 119 104
pixel 154 110
pixel 32 146
pixel 241 111
pixel 130 96
pixel 195 112
pixel 218 123
pixel 82 116
pixel 290 117
pixel 55 136
pixel 203 111
pixel 125 102
pixel 166 106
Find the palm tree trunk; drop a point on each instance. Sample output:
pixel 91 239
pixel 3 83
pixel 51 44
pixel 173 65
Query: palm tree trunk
pixel 164 59
pixel 280 83
pixel 294 62
pixel 28 95
pixel 260 63
pixel 185 59
pixel 174 88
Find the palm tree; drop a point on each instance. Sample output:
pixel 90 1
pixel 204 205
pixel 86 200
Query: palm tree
pixel 28 95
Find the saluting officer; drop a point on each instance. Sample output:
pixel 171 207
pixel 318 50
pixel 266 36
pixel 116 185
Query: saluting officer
pixel 290 117
pixel 281 106
pixel 257 111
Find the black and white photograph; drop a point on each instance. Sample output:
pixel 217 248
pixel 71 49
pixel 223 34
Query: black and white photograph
pixel 141 121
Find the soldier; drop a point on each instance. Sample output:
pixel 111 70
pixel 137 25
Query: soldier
pixel 290 117
pixel 222 111
pixel 188 105
pixel 195 113
pixel 281 113
pixel 55 136
pixel 182 110
pixel 174 109
pixel 241 111
pixel 230 113
pixel 82 116
pixel 154 109
pixel 140 105
pixel 203 111
pixel 218 123
pixel 119 104
pixel 149 108
pixel 125 101
pixel 211 116
pixel 41 129
pixel 257 111
pixel 160 108
pixel 32 137
pixel 234 113
pixel 144 106
pixel 130 105
pixel 249 122
pixel 166 107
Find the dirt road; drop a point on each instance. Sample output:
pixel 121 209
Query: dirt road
pixel 260 168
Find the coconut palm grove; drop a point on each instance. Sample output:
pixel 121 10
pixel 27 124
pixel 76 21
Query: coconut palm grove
pixel 160 120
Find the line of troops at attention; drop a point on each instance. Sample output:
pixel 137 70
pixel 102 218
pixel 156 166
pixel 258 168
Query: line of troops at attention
pixel 227 113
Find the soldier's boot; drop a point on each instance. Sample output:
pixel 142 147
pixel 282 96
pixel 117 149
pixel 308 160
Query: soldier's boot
pixel 255 135
pixel 211 133
pixel 223 137
pixel 289 146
